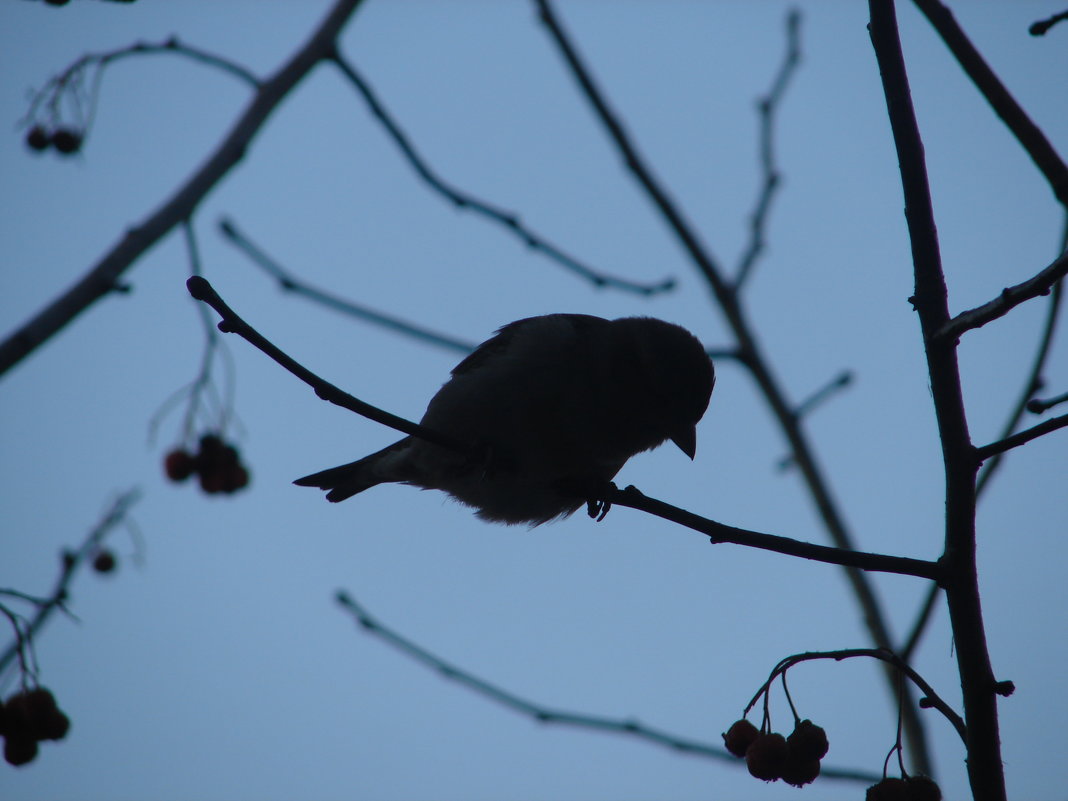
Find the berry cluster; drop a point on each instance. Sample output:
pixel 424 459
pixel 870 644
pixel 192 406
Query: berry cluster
pixel 910 788
pixel 217 464
pixel 65 140
pixel 27 718
pixel 770 756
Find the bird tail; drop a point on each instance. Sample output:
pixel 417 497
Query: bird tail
pixel 346 480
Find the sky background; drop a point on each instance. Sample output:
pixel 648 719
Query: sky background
pixel 220 667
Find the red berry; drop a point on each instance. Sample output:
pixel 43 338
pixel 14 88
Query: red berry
pixel 37 138
pixel 740 736
pixel 766 757
pixel 66 140
pixel 104 561
pixel 807 741
pixel 179 465
pixel 211 480
pixel 799 772
pixel 889 790
pixel 19 750
pixel 235 477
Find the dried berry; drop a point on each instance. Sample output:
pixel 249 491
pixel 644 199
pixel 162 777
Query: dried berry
pixel 799 772
pixel 235 477
pixel 66 140
pixel 922 788
pixel 29 714
pixel 19 750
pixel 740 736
pixel 807 741
pixel 104 561
pixel 37 138
pixel 179 465
pixel 889 790
pixel 766 756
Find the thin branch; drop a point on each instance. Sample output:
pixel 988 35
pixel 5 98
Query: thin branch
pixel 768 107
pixel 71 562
pixel 231 323
pixel 1040 27
pixel 1029 135
pixel 463 200
pixel 719 532
pixel 289 283
pixel 543 714
pixel 985 771
pixel 1010 298
pixel 1021 438
pixel 749 354
pixel 103 277
pixel 920 625
pixel 930 698
pixel 1039 405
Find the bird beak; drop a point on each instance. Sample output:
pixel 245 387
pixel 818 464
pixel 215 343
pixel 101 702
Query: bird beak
pixel 687 440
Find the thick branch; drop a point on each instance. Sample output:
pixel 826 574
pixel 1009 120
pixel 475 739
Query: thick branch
pixel 719 532
pixel 103 277
pixel 1010 298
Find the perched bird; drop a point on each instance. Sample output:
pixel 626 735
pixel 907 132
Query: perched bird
pixel 551 407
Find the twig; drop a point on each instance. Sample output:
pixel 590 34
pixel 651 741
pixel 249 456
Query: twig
pixel 103 277
pixel 1040 27
pixel 542 714
pixel 231 323
pixel 72 560
pixel 1039 405
pixel 719 532
pixel 289 283
pixel 930 697
pixel 1010 298
pixel 1029 135
pixel 749 353
pixel 985 771
pixel 768 107
pixel 1021 438
pixel 463 200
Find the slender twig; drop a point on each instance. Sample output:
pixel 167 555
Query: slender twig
pixel 768 107
pixel 1029 135
pixel 543 714
pixel 103 277
pixel 1022 437
pixel 464 200
pixel 919 626
pixel 930 697
pixel 289 283
pixel 985 771
pixel 1040 405
pixel 231 323
pixel 720 532
pixel 1010 298
pixel 750 354
pixel 69 565
pixel 1040 27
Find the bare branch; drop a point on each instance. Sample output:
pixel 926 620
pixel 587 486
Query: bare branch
pixel 1022 437
pixel 463 200
pixel 1042 26
pixel 1010 298
pixel 289 283
pixel 103 277
pixel 543 714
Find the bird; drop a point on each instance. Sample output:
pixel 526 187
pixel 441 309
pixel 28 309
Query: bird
pixel 551 408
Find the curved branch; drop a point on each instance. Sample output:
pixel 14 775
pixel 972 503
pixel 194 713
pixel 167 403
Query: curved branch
pixel 104 275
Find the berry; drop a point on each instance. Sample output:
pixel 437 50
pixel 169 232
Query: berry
pixel 19 750
pixel 178 465
pixel 807 741
pixel 766 757
pixel 55 726
pixel 889 790
pixel 66 140
pixel 104 561
pixel 56 2
pixel 37 138
pixel 799 772
pixel 740 736
pixel 922 788
pixel 235 477
pixel 29 714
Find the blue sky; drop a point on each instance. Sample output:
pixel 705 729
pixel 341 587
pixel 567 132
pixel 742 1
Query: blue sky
pixel 220 668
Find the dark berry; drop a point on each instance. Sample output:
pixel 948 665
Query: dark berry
pixel 56 2
pixel 889 790
pixel 37 138
pixel 104 561
pixel 740 736
pixel 179 465
pixel 922 788
pixel 807 741
pixel 799 772
pixel 19 750
pixel 29 714
pixel 66 140
pixel 234 477
pixel 766 757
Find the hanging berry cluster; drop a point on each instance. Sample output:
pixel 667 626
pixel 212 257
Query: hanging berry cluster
pixel 770 756
pixel 27 718
pixel 909 788
pixel 217 464
pixel 66 141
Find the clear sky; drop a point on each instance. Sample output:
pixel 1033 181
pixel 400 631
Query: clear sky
pixel 220 667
